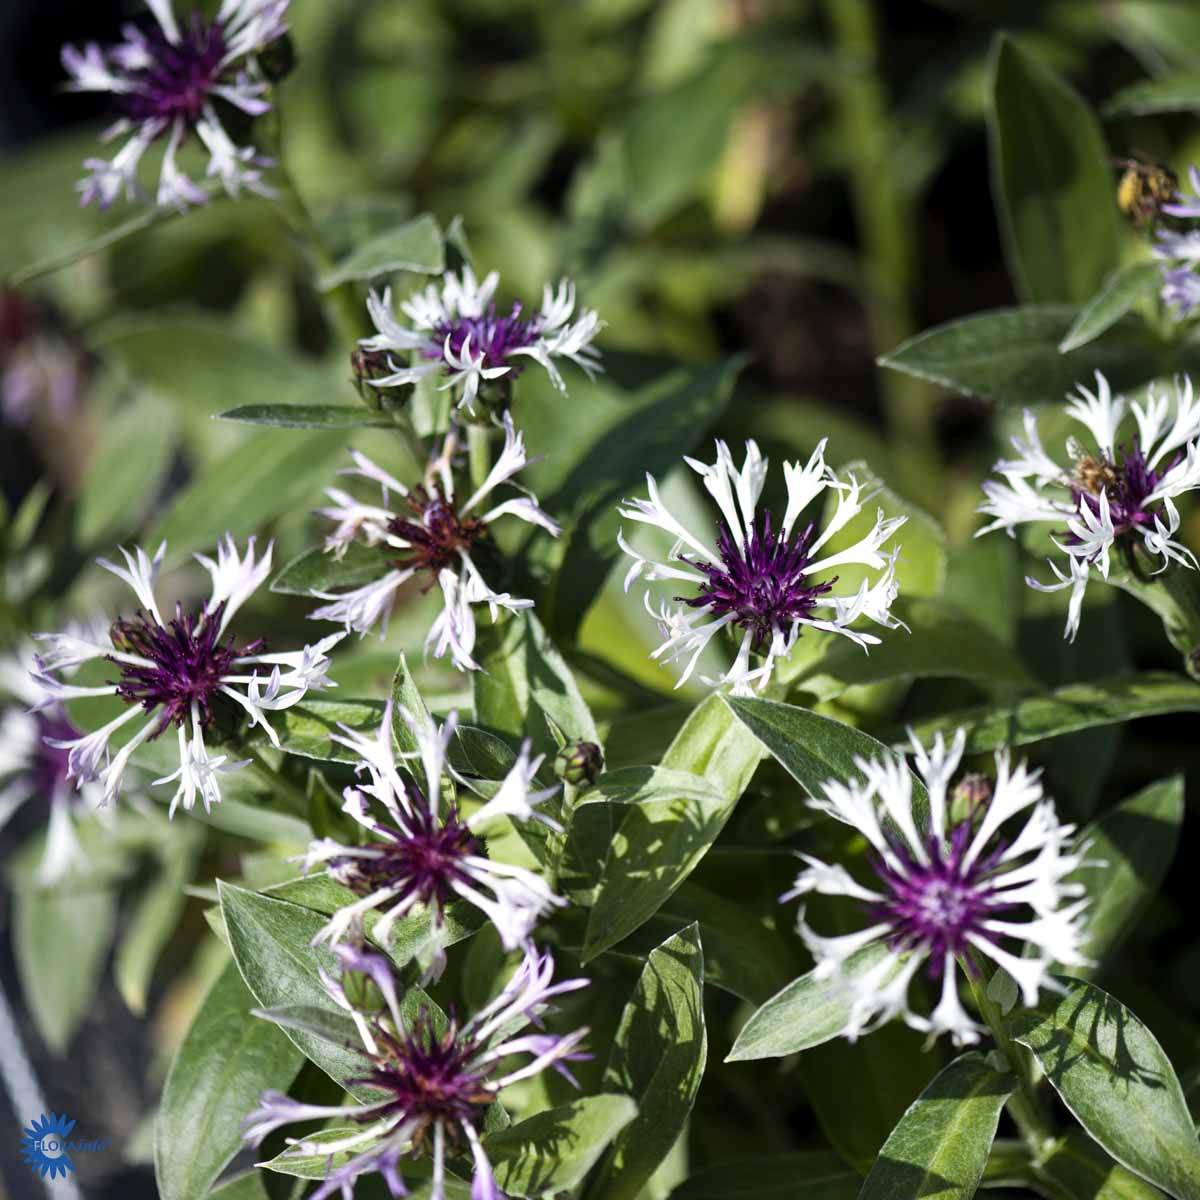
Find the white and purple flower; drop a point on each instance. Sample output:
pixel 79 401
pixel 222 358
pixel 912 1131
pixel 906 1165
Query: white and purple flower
pixel 176 672
pixel 455 330
pixel 437 1078
pixel 1178 250
pixel 421 850
pixel 762 582
pixel 1113 497
pixel 169 80
pixel 436 538
pixel 950 886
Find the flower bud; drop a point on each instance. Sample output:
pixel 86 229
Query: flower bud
pixel 970 796
pixel 579 763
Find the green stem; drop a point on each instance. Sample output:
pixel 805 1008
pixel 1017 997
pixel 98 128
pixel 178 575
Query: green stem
pixel 479 453
pixel 556 843
pixel 1025 1104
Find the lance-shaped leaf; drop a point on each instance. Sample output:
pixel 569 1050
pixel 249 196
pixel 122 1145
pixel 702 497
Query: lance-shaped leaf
pixel 309 416
pixel 1079 1170
pixel 552 1151
pixel 1053 182
pixel 815 1174
pixel 658 839
pixel 1117 295
pixel 1173 93
pixel 1065 710
pixel 942 1142
pixel 414 246
pixel 1112 1074
pixel 1128 852
pixel 306 729
pixel 658 1060
pixel 317 571
pixel 226 1060
pixel 806 1013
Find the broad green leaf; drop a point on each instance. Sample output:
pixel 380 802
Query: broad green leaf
pixel 816 1174
pixel 305 729
pixel 1172 93
pixel 658 1059
pixel 594 468
pixel 859 1089
pixel 939 641
pixel 1117 295
pixel 226 1061
pixel 62 936
pixel 271 942
pixel 942 1142
pixel 266 476
pixel 309 416
pixel 524 682
pixel 1129 850
pixel 1053 181
pixel 1110 1071
pixel 156 914
pixel 1065 710
pixel 715 746
pixel 806 1013
pixel 114 499
pixel 1079 1170
pixel 668 821
pixel 249 1186
pixel 414 246
pixel 335 1027
pixel 1011 355
pixel 811 748
pixel 318 571
pixel 741 955
pixel 552 1151
pixel 263 824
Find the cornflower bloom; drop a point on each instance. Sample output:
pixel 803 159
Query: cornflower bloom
pixel 423 851
pixel 763 582
pixel 436 537
pixel 1178 250
pixel 949 886
pixel 168 80
pixel 176 672
pixel 1110 497
pixel 435 1078
pixel 455 330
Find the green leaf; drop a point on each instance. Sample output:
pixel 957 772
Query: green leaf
pixel 114 499
pixel 261 479
pixel 271 942
pixel 816 1174
pixel 1079 1170
pixel 249 1186
pixel 331 1026
pixel 940 641
pixel 414 246
pixel 62 936
pixel 226 1060
pixel 1011 355
pixel 317 571
pixel 1065 710
pixel 309 416
pixel 305 729
pixel 658 1059
pixel 1110 1071
pixel 806 1013
pixel 1117 295
pixel 1172 93
pixel 627 435
pixel 1053 182
pixel 811 748
pixel 715 746
pixel 942 1142
pixel 552 1151
pixel 670 819
pixel 1128 853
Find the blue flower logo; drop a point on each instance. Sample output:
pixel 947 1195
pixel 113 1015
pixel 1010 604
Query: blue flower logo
pixel 44 1146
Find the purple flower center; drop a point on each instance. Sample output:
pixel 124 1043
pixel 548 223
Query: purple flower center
pixel 179 77
pixel 764 585
pixel 938 903
pixel 187 661
pixel 429 1075
pixel 496 336
pixel 435 531
pixel 425 862
pixel 1127 483
pixel 48 771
